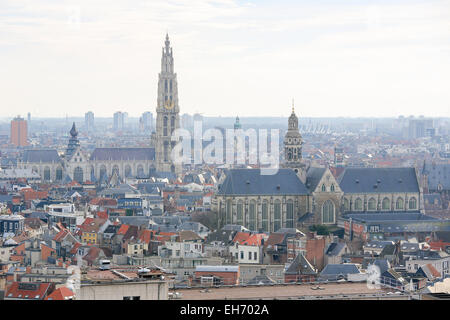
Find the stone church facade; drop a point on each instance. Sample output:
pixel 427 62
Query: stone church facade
pixel 300 193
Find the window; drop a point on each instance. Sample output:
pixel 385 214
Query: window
pixel 240 213
pixel 386 204
pixel 136 298
pixel 358 204
pixel 126 298
pixel 290 214
pixel 324 188
pixel 249 255
pixel 252 215
pixel 399 204
pixel 277 216
pixel 412 203
pixel 346 204
pixel 332 188
pixel 242 254
pixel 229 207
pixel 265 216
pixel 255 255
pixel 372 205
pixel 328 212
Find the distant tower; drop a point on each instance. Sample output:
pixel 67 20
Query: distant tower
pixel 119 121
pixel 167 112
pixel 339 156
pixel 293 143
pixel 19 132
pixel 74 143
pixel 237 124
pixel 89 121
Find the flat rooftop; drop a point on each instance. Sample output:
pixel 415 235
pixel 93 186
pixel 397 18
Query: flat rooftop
pixel 279 291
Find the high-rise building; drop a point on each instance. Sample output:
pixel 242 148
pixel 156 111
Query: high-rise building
pixel 186 121
pixel 89 121
pixel 146 122
pixel 167 112
pixel 119 121
pixel 19 132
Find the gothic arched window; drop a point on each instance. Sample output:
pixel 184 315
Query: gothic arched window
pixel 252 215
pixel 399 204
pixel 324 188
pixel 332 188
pixel 47 174
pixel 276 215
pixel 290 214
pixel 386 204
pixel 265 216
pixel 412 203
pixel 59 174
pixel 240 213
pixel 358 204
pixel 78 175
pixel 328 212
pixel 372 204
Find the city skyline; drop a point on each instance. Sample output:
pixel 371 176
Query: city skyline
pixel 336 60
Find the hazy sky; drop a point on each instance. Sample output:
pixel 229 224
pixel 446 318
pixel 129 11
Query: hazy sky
pixel 247 58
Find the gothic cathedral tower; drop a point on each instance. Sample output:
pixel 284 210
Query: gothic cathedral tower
pixel 167 113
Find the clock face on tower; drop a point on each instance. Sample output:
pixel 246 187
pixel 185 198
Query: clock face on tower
pixel 169 105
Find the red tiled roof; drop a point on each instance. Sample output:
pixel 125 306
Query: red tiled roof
pixel 123 229
pixel 42 289
pixel 92 254
pixel 61 235
pixel 255 240
pixel 75 248
pixel 145 236
pixel 62 293
pixel 274 238
pixel 92 224
pixel 241 237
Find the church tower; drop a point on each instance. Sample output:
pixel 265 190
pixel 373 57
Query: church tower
pixel 74 143
pixel 167 112
pixel 293 144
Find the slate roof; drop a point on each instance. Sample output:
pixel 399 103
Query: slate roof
pixel 338 269
pixel 40 155
pixel 117 154
pixel 386 180
pixel 335 248
pixel 383 264
pixel 313 177
pixel 252 182
pixel 438 174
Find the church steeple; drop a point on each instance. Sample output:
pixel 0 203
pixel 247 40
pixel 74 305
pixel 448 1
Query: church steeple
pixel 293 142
pixel 74 143
pixel 167 111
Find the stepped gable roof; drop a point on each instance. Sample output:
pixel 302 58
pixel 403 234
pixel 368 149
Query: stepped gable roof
pixel 40 155
pixel 252 182
pixel 118 154
pixel 386 180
